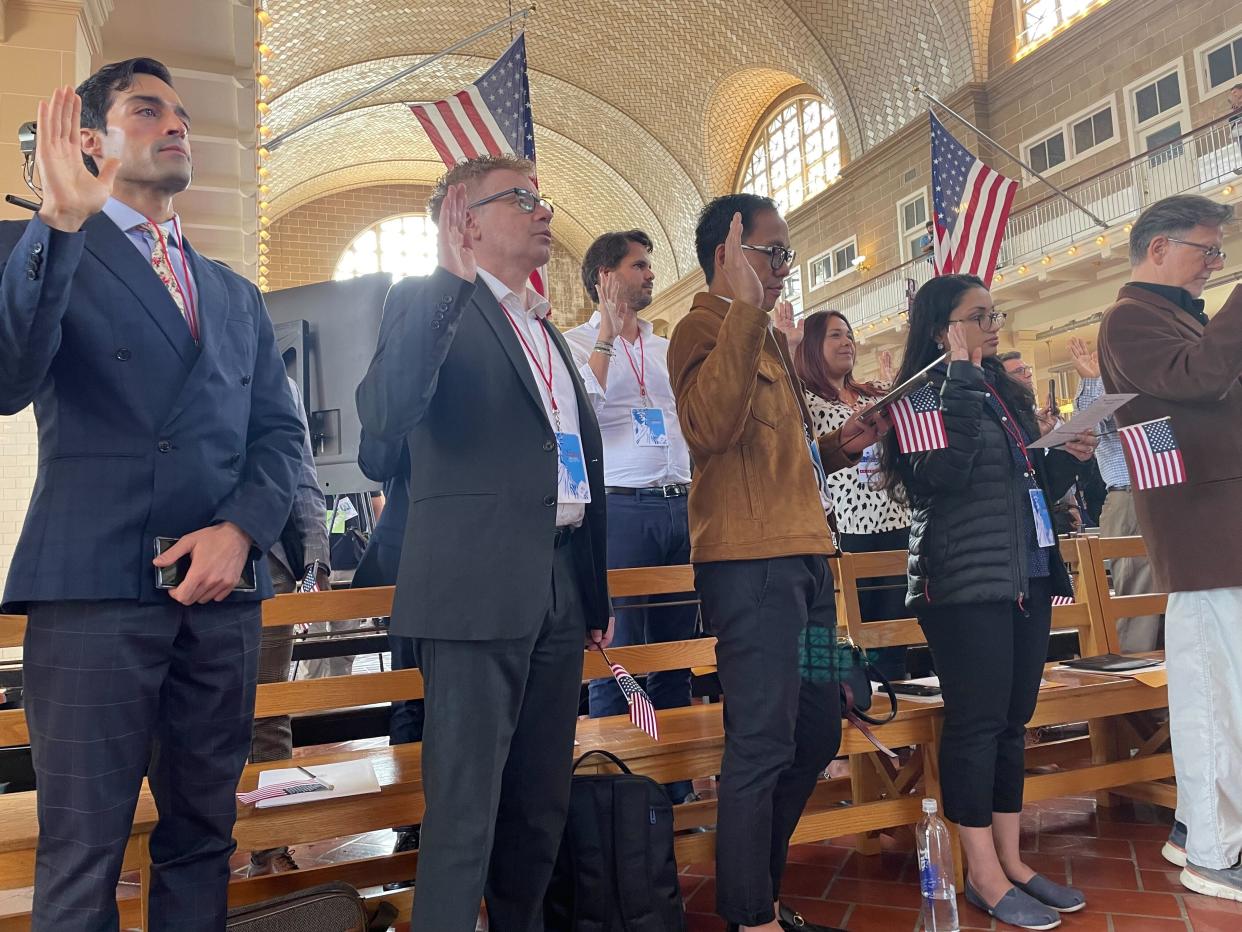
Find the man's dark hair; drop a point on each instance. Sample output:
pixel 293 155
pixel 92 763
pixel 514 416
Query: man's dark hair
pixel 98 90
pixel 714 222
pixel 1003 358
pixel 607 253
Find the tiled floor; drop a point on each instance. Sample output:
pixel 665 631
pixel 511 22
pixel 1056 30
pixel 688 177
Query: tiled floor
pixel 1113 855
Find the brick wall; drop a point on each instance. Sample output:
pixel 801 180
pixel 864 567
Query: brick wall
pixel 18 458
pixel 308 241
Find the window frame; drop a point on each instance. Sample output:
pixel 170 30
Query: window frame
pixel 759 139
pixel 1206 92
pixel 1023 44
pixel 374 227
pixel 920 194
pixel 836 274
pixel 1066 129
pixel 1181 112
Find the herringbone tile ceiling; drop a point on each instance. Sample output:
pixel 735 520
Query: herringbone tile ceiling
pixel 643 109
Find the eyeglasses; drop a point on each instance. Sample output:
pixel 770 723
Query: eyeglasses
pixel 1210 253
pixel 777 255
pixel 1022 370
pixel 525 200
pixel 988 323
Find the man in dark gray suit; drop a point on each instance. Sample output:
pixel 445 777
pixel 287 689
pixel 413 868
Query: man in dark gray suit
pixel 163 412
pixel 503 570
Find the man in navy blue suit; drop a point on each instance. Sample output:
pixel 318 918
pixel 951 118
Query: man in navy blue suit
pixel 163 411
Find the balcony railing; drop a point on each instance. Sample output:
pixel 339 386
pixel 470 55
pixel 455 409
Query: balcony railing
pixel 1198 161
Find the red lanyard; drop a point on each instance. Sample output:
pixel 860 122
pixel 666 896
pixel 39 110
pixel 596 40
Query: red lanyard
pixel 1014 431
pixel 639 373
pixel 186 299
pixel 545 377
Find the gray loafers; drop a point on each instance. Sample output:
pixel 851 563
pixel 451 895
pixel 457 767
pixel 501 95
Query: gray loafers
pixel 1060 897
pixel 1018 909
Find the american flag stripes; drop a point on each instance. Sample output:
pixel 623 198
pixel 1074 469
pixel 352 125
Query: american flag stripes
pixel 489 117
pixel 280 789
pixel 1155 458
pixel 971 208
pixel 642 712
pixel 918 422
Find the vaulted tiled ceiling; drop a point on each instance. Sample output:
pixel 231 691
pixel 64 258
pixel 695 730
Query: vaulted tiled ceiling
pixel 642 108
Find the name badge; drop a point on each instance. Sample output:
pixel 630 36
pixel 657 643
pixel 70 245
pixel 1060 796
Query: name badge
pixel 869 467
pixel 1044 535
pixel 649 429
pixel 572 485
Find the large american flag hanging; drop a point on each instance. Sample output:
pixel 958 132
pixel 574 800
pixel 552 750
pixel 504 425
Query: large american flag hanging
pixel 918 422
pixel 971 208
pixel 1155 458
pixel 642 712
pixel 489 117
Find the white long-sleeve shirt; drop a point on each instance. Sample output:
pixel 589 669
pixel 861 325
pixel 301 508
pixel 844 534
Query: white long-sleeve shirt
pixel 626 463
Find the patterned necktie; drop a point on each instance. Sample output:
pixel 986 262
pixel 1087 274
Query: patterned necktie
pixel 163 268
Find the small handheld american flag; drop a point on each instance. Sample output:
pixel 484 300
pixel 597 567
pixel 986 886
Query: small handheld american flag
pixel 642 712
pixel 918 422
pixel 282 789
pixel 1155 458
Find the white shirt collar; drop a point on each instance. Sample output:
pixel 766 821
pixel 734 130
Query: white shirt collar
pixel 127 219
pixel 644 326
pixel 533 304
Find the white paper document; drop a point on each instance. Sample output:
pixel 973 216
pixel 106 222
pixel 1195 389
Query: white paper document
pixel 349 778
pixel 1088 418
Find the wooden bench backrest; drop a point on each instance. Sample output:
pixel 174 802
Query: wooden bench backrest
pixel 1112 608
pixel 343 692
pixel 904 632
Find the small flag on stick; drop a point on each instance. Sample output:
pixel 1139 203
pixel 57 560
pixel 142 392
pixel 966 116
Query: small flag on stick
pixel 642 712
pixel 1155 458
pixel 918 422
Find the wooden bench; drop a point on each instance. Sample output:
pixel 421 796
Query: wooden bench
pixel 1074 697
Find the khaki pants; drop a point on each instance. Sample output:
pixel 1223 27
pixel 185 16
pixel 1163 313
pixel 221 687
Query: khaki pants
pixel 1131 576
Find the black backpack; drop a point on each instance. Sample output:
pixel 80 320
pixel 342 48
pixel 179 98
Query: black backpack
pixel 616 871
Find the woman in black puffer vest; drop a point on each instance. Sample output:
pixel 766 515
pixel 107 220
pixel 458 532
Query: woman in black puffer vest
pixel 982 574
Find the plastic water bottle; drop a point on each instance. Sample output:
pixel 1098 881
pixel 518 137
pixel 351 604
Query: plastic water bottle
pixel 936 872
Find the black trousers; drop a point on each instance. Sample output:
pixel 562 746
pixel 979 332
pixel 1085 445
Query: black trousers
pixel 497 752
pixel 780 731
pixel 105 683
pixel 990 658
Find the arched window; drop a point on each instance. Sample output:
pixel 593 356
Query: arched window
pixel 400 246
pixel 796 155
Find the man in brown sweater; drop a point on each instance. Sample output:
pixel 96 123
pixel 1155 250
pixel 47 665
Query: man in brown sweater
pixel 758 541
pixel 1156 341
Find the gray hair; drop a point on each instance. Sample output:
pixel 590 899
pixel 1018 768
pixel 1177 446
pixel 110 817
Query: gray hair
pixel 1175 216
pixel 1006 357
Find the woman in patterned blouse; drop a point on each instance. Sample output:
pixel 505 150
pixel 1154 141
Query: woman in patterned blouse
pixel 867 519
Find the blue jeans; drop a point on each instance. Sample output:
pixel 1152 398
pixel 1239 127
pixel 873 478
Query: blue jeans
pixel 648 530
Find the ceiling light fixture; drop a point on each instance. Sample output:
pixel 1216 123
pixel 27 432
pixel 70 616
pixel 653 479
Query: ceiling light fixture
pixel 264 18
pixel 263 80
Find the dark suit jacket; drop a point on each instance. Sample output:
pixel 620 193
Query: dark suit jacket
pixel 141 433
pixel 450 378
pixel 386 461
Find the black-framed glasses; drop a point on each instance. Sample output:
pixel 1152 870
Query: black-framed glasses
pixel 524 199
pixel 988 323
pixel 1210 253
pixel 777 255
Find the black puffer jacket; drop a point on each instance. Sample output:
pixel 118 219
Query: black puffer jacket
pixel 970 505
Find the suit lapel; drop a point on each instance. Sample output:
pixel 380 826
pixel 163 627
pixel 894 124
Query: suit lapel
pixel 211 305
pixel 495 316
pixel 117 253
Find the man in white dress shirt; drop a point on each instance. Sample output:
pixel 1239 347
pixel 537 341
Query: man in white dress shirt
pixel 646 463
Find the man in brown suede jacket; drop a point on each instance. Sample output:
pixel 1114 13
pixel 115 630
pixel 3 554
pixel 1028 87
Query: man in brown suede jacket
pixel 758 541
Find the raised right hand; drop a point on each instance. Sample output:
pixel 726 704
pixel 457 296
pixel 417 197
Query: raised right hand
pixel 738 272
pixel 456 254
pixel 610 305
pixel 958 351
pixel 71 194
pixel 1086 362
